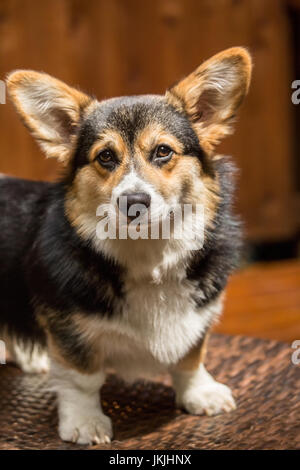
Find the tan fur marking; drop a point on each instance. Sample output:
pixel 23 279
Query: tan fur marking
pixel 154 135
pixel 92 187
pixel 44 315
pixel 92 338
pixel 109 139
pixel 195 356
pixel 56 354
pixel 179 171
pixel 60 356
pixel 183 173
pixel 211 199
pixel 93 184
pixel 165 178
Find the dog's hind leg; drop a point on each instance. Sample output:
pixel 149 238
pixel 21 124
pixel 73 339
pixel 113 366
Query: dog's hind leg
pixel 31 358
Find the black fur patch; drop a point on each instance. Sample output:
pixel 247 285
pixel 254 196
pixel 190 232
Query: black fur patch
pixel 65 271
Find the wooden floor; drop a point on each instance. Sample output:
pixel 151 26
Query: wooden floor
pixel 264 300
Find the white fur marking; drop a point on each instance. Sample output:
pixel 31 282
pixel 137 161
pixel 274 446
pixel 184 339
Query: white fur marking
pixel 154 330
pixel 81 418
pixel 30 358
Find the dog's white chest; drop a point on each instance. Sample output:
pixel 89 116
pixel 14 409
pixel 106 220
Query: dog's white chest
pixel 158 323
pixel 154 326
pixel 163 318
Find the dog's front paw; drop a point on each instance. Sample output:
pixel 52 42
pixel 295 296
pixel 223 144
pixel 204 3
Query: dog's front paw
pixel 210 399
pixel 85 429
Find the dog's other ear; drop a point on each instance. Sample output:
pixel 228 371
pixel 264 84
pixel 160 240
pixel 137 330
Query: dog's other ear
pixel 211 94
pixel 49 108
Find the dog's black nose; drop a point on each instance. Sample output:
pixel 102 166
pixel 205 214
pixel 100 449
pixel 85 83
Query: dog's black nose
pixel 126 200
pixel 137 198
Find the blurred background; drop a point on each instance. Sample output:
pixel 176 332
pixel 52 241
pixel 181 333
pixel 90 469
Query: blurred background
pixel 116 47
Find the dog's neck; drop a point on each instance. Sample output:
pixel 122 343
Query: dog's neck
pixel 152 260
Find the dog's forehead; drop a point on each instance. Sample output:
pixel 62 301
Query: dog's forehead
pixel 130 114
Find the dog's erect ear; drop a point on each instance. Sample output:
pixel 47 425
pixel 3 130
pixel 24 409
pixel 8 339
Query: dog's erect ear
pixel 49 108
pixel 211 94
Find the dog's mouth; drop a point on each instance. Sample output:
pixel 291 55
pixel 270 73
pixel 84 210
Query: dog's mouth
pixel 144 217
pixel 139 219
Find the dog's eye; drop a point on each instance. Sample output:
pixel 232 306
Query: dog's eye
pixel 162 153
pixel 106 158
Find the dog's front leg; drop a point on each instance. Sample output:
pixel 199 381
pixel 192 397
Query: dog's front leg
pixel 81 418
pixel 196 390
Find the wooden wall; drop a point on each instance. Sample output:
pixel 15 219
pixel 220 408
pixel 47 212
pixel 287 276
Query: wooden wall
pixel 114 47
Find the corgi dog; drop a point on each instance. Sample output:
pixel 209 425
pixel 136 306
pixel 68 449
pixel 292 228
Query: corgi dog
pixel 80 304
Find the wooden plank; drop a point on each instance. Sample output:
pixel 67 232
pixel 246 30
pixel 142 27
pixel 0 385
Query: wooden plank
pixel 264 300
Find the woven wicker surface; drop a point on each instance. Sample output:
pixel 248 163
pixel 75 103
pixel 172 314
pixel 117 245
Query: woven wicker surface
pixel 265 383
